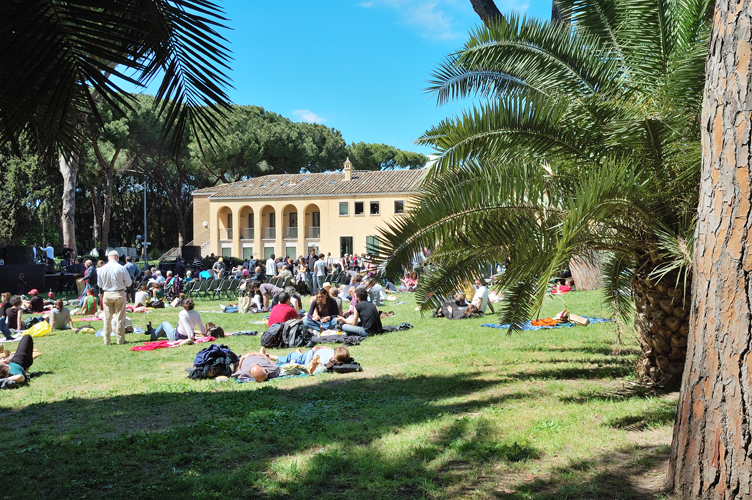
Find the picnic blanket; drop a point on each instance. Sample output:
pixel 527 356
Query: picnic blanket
pixel 88 318
pixel 166 344
pixel 528 325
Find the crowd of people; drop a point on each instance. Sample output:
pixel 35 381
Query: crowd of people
pixel 350 305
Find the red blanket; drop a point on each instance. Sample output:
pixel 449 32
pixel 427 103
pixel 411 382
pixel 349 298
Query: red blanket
pixel 165 344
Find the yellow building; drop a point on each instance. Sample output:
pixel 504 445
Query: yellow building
pixel 289 214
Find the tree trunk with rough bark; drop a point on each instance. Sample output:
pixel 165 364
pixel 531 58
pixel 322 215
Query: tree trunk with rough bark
pixel 68 166
pixel 487 11
pixel 586 271
pixel 96 209
pixel 661 322
pixel 711 456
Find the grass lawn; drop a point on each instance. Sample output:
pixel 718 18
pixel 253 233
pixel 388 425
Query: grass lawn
pixel 445 410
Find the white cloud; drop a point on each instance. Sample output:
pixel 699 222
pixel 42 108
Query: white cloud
pixel 435 23
pixel 308 116
pixel 365 5
pixel 429 16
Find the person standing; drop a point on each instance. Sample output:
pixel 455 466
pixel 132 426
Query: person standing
pixel 113 279
pixel 50 253
pixel 310 263
pixel 271 267
pixel 134 272
pixel 319 269
pixel 90 278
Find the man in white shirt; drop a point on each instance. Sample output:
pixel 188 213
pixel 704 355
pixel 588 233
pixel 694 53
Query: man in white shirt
pixel 271 267
pixel 50 252
pixel 480 299
pixel 113 279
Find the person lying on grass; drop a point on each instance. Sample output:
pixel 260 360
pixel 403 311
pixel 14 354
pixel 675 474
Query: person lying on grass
pixel 256 366
pixel 16 368
pixel 188 321
pixel 314 360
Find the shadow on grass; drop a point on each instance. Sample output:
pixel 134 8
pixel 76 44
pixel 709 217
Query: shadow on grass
pixel 663 414
pixel 268 442
pixel 585 349
pixel 610 369
pixel 627 473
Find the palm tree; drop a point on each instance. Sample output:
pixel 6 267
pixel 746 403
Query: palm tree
pixel 585 140
pixel 62 57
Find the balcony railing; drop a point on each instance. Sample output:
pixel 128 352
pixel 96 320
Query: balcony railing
pixel 225 234
pixel 270 233
pixel 314 232
pixel 291 232
pixel 246 233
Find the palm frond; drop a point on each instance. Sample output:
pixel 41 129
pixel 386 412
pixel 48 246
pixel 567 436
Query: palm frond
pixel 618 270
pixel 67 55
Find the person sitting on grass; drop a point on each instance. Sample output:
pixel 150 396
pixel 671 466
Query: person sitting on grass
pixel 17 367
pixel 14 314
pixel 188 321
pixel 565 288
pixel 60 318
pixel 157 294
pixel 256 366
pixel 480 298
pixel 142 296
pixel 365 313
pixel 323 312
pixel 35 303
pixel 283 311
pixel 89 305
pixel 324 353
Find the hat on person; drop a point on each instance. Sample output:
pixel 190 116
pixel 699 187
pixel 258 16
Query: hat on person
pixel 33 291
pixel 327 284
pixel 50 294
pixel 113 253
pixel 221 259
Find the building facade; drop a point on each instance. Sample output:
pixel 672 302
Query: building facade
pixel 289 214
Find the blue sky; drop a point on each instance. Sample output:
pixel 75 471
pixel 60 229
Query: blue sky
pixel 360 66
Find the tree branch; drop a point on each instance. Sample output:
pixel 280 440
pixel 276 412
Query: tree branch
pixel 487 10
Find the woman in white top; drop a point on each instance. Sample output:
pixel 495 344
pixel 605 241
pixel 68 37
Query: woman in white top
pixel 480 299
pixel 142 296
pixel 188 321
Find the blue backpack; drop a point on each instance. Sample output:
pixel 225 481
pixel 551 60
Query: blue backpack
pixel 213 361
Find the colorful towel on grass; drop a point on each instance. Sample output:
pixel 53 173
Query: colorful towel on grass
pixel 166 344
pixel 527 325
pixel 88 318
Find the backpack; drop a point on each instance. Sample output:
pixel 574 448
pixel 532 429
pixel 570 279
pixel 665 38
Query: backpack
pixel 272 337
pixel 215 331
pixel 29 321
pixel 213 361
pixel 295 333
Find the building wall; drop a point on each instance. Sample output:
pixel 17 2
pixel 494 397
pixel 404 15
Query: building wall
pixel 238 242
pixel 200 214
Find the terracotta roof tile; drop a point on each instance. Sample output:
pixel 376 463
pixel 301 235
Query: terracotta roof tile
pixel 330 183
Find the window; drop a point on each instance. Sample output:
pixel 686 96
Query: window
pixel 359 210
pixel 399 207
pixel 272 220
pixel 372 245
pixel 345 246
pixel 229 221
pixel 344 208
pixel 374 207
pixel 293 219
pixel 316 219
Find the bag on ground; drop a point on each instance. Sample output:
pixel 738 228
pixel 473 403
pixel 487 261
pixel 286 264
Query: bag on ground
pixel 213 361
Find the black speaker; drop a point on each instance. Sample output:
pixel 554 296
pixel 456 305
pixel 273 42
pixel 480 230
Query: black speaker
pixel 19 255
pixel 190 252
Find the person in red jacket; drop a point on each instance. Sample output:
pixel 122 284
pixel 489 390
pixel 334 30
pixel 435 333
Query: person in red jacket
pixel 283 310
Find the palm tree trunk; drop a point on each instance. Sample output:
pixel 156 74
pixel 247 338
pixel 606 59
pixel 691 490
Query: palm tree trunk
pixel 487 11
pixel 662 324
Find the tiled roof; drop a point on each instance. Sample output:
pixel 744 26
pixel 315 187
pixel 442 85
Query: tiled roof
pixel 361 182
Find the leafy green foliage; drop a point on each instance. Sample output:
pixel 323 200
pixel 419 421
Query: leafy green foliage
pixel 584 139
pixel 383 157
pixel 66 56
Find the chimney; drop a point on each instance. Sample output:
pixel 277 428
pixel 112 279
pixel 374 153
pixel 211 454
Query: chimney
pixel 348 169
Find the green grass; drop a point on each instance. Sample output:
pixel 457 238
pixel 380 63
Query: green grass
pixel 445 410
